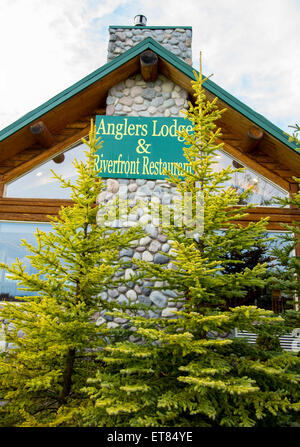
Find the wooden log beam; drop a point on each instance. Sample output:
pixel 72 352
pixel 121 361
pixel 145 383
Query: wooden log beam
pixel 38 210
pixel 2 189
pixel 254 137
pixel 149 65
pixel 59 158
pixel 293 190
pixel 101 111
pixel 42 134
pixel 45 155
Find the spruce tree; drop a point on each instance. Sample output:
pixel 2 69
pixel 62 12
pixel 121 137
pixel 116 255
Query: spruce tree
pixel 287 272
pixel 190 370
pixel 41 376
pixel 295 135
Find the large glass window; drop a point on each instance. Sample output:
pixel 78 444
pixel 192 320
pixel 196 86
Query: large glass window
pixel 11 234
pixel 40 182
pixel 264 191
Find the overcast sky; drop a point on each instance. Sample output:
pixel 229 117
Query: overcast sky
pixel 251 47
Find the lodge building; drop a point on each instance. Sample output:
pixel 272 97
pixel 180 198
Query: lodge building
pixel 146 81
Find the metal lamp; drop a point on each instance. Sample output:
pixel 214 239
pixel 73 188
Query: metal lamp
pixel 140 20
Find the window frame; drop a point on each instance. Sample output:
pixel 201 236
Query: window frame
pixel 20 222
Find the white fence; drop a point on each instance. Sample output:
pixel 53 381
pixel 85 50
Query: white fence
pixel 288 342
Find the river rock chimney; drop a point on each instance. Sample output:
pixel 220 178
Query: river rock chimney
pixel 176 39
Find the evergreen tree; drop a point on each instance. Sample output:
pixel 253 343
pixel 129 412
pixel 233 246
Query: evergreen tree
pixel 287 273
pixel 41 376
pixel 295 135
pixel 247 258
pixel 287 270
pixel 190 370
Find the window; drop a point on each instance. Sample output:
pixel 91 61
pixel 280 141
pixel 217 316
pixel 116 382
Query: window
pixel 264 190
pixel 39 183
pixel 11 234
pixel 267 297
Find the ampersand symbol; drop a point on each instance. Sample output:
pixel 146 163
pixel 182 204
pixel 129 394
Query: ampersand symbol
pixel 142 147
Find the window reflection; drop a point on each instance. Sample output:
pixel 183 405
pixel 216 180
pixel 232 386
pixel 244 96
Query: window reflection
pixel 11 234
pixel 264 191
pixel 40 183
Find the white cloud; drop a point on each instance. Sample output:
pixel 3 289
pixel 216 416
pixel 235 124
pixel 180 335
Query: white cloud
pixel 251 47
pixel 46 47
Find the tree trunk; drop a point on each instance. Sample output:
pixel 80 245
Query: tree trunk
pixel 67 377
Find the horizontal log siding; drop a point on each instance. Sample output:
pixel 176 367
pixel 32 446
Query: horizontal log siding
pixel 38 210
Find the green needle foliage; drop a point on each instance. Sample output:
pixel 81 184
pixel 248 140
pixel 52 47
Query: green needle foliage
pixel 295 135
pixel 180 376
pixel 288 272
pixel 41 376
pixel 190 370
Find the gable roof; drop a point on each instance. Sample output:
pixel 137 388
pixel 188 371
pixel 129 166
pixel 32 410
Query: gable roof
pixel 60 109
pixel 147 44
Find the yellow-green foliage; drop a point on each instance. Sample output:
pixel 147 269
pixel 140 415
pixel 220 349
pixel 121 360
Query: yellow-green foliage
pixel 42 375
pixel 183 376
pixel 190 370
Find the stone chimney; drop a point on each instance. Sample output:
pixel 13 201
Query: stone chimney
pixel 176 39
pixel 159 98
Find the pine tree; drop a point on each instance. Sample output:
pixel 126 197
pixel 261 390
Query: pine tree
pixel 287 273
pixel 41 376
pixel 292 239
pixel 190 370
pixel 295 135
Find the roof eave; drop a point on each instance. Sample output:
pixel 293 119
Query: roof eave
pixel 148 44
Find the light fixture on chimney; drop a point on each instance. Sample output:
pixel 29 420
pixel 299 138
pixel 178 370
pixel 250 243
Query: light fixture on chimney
pixel 140 20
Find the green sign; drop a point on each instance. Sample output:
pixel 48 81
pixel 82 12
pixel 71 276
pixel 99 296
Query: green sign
pixel 138 147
